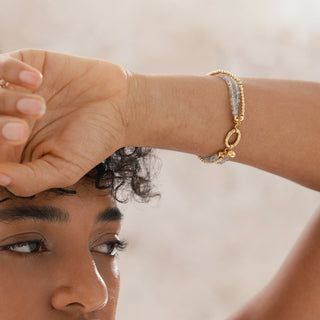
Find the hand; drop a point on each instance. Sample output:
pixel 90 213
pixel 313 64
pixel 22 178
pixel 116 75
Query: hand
pixel 82 126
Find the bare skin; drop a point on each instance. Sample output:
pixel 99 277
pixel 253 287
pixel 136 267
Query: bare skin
pixel 294 291
pixel 74 274
pixel 91 100
pixel 77 108
pixel 280 133
pixel 94 100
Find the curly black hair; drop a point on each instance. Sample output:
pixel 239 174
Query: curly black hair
pixel 127 173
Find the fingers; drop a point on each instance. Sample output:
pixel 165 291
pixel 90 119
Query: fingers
pixel 13 131
pixel 22 105
pixel 45 173
pixel 16 72
pixel 16 105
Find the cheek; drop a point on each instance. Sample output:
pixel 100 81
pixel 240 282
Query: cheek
pixel 26 286
pixel 23 286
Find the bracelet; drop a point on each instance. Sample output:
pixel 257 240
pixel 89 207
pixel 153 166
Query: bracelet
pixel 236 92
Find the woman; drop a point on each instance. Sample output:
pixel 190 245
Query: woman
pixel 94 107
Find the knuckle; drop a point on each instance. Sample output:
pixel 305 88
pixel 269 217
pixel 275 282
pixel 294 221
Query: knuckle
pixel 3 57
pixel 7 64
pixel 27 51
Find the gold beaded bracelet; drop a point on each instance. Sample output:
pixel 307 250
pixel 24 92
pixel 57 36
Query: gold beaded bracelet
pixel 236 98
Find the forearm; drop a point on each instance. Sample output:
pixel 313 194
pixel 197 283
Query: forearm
pixel 280 133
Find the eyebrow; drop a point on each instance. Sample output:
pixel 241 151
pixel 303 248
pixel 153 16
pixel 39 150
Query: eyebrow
pixel 52 214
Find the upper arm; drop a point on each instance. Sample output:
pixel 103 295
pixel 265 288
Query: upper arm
pixel 294 292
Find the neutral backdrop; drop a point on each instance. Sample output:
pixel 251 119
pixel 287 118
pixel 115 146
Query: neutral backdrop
pixel 218 234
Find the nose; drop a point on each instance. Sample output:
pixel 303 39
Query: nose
pixel 79 286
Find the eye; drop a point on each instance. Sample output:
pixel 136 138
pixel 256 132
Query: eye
pixel 111 248
pixel 26 247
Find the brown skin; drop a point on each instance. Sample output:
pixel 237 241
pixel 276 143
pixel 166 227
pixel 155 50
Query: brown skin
pixel 83 97
pixel 293 293
pixel 94 100
pixel 73 278
pixel 90 100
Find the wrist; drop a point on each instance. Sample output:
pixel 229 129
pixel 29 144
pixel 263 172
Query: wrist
pixel 135 110
pixel 119 103
pixel 184 113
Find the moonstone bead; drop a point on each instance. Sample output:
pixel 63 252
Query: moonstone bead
pixel 224 160
pixel 234 92
pixel 212 158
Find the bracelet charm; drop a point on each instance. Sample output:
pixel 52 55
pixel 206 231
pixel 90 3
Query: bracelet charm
pixel 237 102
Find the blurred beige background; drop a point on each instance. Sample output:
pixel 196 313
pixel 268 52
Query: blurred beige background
pixel 218 234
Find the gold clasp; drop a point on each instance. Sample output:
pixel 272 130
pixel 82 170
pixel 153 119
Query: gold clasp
pixel 229 135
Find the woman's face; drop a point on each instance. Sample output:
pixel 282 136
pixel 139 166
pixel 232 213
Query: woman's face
pixel 57 257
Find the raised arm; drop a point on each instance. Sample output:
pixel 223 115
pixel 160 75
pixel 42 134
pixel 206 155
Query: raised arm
pixel 280 133
pixel 294 291
pixel 95 107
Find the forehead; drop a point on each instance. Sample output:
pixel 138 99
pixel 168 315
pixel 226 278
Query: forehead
pixel 84 200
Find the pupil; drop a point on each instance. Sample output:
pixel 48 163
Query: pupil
pixel 33 246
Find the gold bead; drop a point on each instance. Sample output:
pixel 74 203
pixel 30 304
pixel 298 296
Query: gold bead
pixel 231 154
pixel 237 119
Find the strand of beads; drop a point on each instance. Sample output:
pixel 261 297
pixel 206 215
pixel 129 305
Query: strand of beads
pixel 237 100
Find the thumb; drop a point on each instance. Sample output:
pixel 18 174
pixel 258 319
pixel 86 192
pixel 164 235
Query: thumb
pixel 29 178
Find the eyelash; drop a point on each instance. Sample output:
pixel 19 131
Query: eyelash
pixel 116 244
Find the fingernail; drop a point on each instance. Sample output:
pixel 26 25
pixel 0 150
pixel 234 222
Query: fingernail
pixel 31 106
pixel 30 78
pixel 4 180
pixel 13 131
